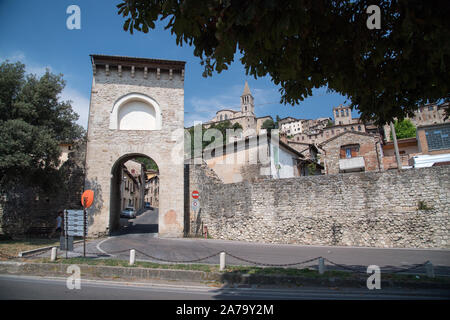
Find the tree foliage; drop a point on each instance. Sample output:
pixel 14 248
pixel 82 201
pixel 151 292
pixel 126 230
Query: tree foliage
pixel 33 121
pixel 222 126
pixel 268 125
pixel 148 163
pixel 404 129
pixel 304 44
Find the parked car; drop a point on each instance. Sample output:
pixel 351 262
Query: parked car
pixel 128 212
pixel 147 205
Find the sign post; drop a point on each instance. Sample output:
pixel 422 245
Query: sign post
pixel 86 200
pixel 66 233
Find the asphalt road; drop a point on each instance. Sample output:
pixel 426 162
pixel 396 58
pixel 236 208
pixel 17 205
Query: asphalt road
pixel 141 235
pixel 31 288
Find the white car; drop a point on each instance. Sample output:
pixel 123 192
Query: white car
pixel 129 213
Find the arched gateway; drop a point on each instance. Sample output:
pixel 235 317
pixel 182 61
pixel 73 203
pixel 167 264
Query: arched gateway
pixel 137 108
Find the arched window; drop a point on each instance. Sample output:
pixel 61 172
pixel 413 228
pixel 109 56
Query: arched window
pixel 135 111
pixel 221 118
pixel 226 117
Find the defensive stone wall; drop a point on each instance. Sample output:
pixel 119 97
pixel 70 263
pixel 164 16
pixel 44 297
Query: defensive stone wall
pixel 375 209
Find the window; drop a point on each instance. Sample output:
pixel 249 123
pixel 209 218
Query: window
pixel 359 128
pixel 438 139
pixel 430 108
pixel 346 112
pixel 342 113
pixel 220 118
pixel 349 151
pixel 226 117
pixel 353 129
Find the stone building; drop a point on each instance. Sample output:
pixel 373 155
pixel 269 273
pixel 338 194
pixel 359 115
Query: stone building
pixel 152 191
pixel 351 152
pixel 251 125
pixel 136 109
pixel 426 115
pixel 133 185
pixel 316 131
pixel 407 147
pixel 254 158
pixel 434 139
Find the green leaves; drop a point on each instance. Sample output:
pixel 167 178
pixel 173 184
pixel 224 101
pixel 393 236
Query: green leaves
pixel 306 44
pixel 33 123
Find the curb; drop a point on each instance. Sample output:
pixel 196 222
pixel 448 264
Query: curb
pixel 231 278
pixel 23 254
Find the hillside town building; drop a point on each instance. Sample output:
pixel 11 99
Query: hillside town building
pixel 251 125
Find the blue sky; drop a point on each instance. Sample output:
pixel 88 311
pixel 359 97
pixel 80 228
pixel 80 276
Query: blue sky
pixel 35 33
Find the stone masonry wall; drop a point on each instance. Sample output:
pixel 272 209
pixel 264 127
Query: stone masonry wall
pixel 374 209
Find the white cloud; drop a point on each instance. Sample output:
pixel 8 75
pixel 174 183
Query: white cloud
pixel 80 104
pixel 30 67
pixel 204 109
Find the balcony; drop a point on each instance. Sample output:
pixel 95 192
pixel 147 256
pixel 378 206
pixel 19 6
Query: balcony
pixel 352 164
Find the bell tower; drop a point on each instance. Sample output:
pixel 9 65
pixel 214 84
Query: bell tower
pixel 247 102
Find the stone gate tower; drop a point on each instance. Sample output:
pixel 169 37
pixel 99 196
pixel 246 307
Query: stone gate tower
pixel 136 109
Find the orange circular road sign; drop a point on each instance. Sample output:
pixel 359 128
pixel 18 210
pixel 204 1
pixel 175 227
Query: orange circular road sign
pixel 87 198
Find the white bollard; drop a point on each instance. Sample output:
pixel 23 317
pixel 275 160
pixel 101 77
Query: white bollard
pixel 132 256
pixel 321 265
pixel 222 261
pixel 53 254
pixel 430 269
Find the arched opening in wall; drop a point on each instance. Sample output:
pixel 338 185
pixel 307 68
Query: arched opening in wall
pixel 134 200
pixel 135 111
pixel 137 115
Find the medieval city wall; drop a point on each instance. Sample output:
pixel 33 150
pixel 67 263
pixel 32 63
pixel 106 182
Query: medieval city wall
pixel 376 209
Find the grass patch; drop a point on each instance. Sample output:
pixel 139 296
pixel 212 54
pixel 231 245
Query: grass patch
pixel 138 264
pixel 250 270
pixel 13 247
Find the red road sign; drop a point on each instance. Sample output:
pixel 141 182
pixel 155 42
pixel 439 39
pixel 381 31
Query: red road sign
pixel 87 198
pixel 195 194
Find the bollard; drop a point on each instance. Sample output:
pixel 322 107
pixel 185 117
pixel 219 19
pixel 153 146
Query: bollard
pixel 53 255
pixel 321 265
pixel 222 261
pixel 132 256
pixel 430 269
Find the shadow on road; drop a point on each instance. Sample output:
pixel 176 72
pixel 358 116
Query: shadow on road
pixel 146 222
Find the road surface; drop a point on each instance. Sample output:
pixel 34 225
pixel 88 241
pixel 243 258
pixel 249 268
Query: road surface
pixel 141 234
pixel 26 287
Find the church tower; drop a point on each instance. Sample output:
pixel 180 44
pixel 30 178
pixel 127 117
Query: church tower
pixel 247 102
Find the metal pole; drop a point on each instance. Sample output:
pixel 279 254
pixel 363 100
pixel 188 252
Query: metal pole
pixel 397 154
pixel 65 231
pixel 84 227
pixel 84 232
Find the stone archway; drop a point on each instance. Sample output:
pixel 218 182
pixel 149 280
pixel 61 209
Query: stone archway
pixel 146 88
